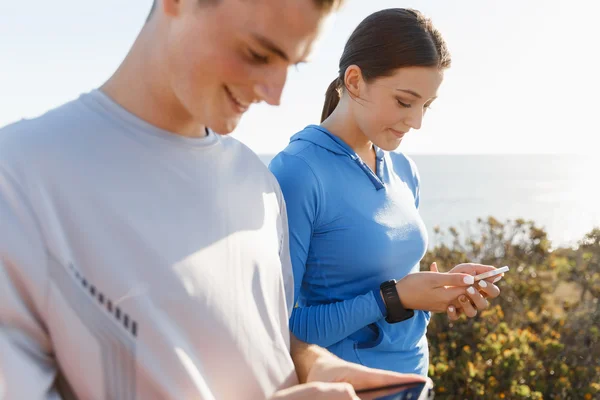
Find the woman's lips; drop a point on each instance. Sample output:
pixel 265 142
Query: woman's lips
pixel 398 134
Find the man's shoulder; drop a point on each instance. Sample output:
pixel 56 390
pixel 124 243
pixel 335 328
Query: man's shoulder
pixel 250 164
pixel 32 149
pixel 30 137
pixel 244 155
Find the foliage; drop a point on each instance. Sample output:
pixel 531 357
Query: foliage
pixel 541 338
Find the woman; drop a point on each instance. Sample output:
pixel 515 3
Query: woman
pixel 353 205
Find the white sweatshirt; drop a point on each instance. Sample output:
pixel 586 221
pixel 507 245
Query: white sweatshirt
pixel 138 264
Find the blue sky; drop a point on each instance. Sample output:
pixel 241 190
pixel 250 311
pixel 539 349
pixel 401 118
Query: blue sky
pixel 524 77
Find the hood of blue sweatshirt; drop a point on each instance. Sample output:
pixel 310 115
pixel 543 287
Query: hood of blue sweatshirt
pixel 323 138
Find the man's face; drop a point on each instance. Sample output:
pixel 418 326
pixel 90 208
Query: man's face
pixel 224 56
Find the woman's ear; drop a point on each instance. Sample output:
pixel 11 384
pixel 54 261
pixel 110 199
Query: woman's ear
pixel 353 81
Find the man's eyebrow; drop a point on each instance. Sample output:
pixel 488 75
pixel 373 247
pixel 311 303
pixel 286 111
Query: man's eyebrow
pixel 272 47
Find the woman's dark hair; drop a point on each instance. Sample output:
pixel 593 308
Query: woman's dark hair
pixel 385 41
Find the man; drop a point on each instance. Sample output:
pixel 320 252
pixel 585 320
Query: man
pixel 143 255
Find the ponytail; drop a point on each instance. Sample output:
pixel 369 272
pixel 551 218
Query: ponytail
pixel 332 98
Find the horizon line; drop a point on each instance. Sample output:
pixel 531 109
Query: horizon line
pixel 477 154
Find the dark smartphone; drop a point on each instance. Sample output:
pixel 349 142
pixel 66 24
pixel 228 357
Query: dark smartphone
pixel 405 391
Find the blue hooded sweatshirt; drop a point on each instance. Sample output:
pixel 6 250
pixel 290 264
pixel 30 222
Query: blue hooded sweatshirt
pixel 350 230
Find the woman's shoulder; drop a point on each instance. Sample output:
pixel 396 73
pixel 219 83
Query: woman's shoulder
pixel 294 168
pixel 297 175
pixel 304 153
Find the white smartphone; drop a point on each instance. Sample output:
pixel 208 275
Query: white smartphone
pixel 489 274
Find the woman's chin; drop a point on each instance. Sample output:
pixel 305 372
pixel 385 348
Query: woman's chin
pixel 389 145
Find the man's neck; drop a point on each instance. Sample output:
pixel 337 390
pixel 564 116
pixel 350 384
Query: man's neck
pixel 140 86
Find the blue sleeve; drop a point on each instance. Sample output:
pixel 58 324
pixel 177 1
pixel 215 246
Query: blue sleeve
pixel 323 324
pixel 300 193
pixel 417 193
pixel 416 180
pixel 327 324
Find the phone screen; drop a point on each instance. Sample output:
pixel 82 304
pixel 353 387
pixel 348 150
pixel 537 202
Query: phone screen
pixel 411 391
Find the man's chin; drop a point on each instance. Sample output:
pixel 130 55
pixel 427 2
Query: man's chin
pixel 225 127
pixel 222 133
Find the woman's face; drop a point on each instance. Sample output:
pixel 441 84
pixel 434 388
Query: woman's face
pixel 388 108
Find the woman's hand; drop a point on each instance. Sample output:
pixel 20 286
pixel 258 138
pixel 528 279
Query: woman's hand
pixel 432 291
pixel 476 296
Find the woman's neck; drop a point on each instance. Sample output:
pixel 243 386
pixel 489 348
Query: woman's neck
pixel 342 125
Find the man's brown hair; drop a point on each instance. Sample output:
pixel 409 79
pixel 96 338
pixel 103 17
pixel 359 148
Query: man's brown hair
pixel 325 5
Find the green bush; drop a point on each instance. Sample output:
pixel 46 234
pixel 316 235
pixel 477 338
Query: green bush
pixel 541 338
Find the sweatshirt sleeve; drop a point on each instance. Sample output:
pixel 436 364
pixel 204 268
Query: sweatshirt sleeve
pixel 27 367
pixel 416 181
pixel 300 193
pixel 323 324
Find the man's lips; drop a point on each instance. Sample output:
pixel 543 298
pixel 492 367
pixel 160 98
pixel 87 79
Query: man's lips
pixel 240 104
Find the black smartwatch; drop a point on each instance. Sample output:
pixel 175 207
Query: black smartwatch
pixel 395 310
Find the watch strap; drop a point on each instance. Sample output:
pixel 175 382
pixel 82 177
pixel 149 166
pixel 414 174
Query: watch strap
pixel 395 310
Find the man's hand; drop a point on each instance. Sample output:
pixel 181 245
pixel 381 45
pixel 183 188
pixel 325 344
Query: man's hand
pixel 326 376
pixel 317 391
pixel 334 369
pixel 333 378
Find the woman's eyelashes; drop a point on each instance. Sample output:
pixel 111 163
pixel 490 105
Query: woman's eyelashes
pixel 403 104
pixel 426 106
pixel 257 58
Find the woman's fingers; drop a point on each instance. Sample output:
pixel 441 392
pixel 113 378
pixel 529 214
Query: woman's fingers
pixel 433 267
pixel 473 300
pixel 489 289
pixel 477 299
pixel 452 312
pixel 448 280
pixel 472 268
pixel 466 306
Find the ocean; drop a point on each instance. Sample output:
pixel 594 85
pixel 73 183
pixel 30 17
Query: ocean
pixel 559 192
